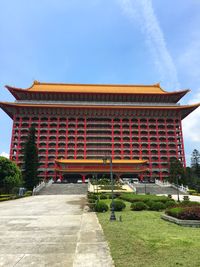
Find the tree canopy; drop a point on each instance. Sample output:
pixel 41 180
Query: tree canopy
pixel 10 175
pixel 195 162
pixel 30 172
pixel 176 171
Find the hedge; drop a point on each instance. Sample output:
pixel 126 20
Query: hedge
pixel 130 197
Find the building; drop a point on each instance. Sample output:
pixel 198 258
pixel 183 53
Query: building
pixel 78 125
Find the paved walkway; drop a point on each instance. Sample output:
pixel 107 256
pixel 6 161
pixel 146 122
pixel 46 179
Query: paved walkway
pixel 51 230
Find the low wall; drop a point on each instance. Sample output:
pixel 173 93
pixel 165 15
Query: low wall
pixel 187 223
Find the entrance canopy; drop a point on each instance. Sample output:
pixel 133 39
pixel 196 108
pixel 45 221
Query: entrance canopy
pixel 86 166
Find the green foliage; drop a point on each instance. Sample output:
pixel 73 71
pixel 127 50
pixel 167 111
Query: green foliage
pixel 92 196
pixel 170 203
pixel 156 206
pixel 103 196
pixel 185 213
pixel 118 205
pixel 101 206
pixel 10 175
pixel 130 197
pixel 187 203
pixel 174 212
pixel 31 161
pixel 138 206
pixel 176 170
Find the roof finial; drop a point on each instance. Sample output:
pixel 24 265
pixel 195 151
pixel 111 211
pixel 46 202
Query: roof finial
pixel 157 84
pixel 36 82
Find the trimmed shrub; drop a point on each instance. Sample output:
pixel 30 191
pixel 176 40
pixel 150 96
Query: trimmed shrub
pixel 174 212
pixel 169 196
pixel 103 196
pixel 156 206
pixel 110 196
pixel 187 203
pixel 118 205
pixel 190 213
pixel 5 198
pixel 170 204
pixel 185 213
pixel 101 206
pixel 138 206
pixel 92 196
pixel 130 197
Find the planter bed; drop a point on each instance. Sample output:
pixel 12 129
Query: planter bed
pixel 187 223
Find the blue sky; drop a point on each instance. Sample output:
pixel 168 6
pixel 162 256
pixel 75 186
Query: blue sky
pixel 100 41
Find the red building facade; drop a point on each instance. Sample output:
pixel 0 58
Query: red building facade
pixel 77 125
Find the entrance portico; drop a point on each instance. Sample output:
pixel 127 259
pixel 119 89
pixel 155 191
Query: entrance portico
pixel 85 167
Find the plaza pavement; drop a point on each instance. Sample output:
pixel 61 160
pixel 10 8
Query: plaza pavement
pixel 51 230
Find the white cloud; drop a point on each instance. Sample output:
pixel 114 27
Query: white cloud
pixel 191 125
pixel 4 154
pixel 142 12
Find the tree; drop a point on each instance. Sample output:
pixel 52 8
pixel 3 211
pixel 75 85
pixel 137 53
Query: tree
pixel 176 172
pixel 195 162
pixel 30 172
pixel 10 175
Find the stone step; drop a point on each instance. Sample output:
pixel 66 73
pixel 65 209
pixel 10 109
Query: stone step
pixel 64 189
pixel 155 189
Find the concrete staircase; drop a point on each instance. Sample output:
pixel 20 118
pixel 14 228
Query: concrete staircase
pixel 64 189
pixel 154 189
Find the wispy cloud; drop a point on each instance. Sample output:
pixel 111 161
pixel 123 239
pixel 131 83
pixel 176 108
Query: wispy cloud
pixel 142 12
pixel 4 154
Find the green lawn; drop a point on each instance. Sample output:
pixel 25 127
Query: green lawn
pixel 143 239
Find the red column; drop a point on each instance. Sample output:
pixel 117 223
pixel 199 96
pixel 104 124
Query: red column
pixel 75 139
pixel 182 142
pixel 85 134
pixel 149 149
pixel 12 138
pixel 131 145
pixel 139 138
pixel 112 127
pixel 121 137
pixel 66 142
pixel 158 149
pixel 83 178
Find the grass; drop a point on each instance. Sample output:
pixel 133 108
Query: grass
pixel 143 239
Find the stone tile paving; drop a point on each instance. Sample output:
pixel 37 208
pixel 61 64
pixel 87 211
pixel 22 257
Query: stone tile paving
pixel 51 230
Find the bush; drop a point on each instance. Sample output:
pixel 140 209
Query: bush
pixel 187 203
pixel 4 199
pixel 92 196
pixel 130 197
pixel 137 206
pixel 169 196
pixel 156 206
pixel 192 191
pixel 185 213
pixel 190 213
pixel 114 196
pixel 174 212
pixel 170 204
pixel 118 205
pixel 101 206
pixel 103 196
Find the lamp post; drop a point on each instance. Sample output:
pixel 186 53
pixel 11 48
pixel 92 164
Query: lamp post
pixel 177 179
pixel 112 215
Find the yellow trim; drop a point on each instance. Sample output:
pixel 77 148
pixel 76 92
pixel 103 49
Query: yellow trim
pixel 99 161
pixel 96 88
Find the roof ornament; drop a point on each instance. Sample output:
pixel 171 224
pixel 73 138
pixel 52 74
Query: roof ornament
pixel 36 82
pixel 157 85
